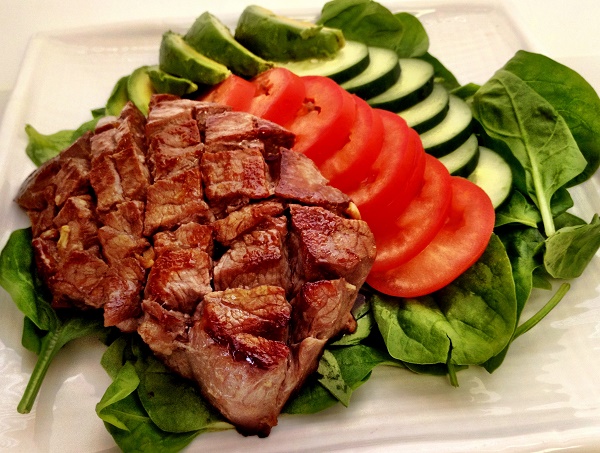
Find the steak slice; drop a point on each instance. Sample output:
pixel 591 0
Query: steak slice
pixel 179 279
pixel 239 372
pixel 257 258
pixel 245 219
pixel 233 175
pixel 329 246
pixel 174 201
pixel 232 130
pixel 300 181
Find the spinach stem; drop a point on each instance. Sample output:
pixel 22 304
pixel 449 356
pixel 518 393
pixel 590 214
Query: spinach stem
pixel 543 203
pixel 553 302
pixel 50 346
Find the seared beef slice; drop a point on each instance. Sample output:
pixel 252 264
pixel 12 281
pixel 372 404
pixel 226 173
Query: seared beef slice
pixel 200 229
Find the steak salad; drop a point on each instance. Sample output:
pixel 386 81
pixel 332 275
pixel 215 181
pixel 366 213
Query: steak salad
pixel 252 233
pixel 201 230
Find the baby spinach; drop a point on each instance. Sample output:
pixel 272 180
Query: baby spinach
pixel 572 97
pixel 510 111
pixel 469 321
pixel 569 251
pixel 373 24
pixel 147 407
pixel 43 147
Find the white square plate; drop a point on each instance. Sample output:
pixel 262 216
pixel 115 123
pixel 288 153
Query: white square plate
pixel 545 396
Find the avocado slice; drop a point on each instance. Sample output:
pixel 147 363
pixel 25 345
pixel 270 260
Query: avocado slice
pixel 140 89
pixel 164 82
pixel 209 36
pixel 118 97
pixel 177 57
pixel 279 38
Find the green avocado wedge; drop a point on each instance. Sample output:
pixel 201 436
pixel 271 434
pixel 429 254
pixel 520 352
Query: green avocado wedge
pixel 164 82
pixel 140 88
pixel 177 57
pixel 280 38
pixel 209 36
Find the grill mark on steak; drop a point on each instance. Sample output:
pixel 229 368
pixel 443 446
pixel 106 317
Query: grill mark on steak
pixel 198 228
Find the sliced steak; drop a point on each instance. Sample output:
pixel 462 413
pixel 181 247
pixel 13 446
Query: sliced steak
pixel 257 258
pixel 174 201
pixel 245 219
pixel 232 130
pixel 188 235
pixel 299 180
pixel 329 246
pixel 233 175
pixel 197 227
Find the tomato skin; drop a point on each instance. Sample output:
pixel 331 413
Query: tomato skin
pixel 408 232
pixel 457 246
pixel 233 91
pixel 353 161
pixel 389 173
pixel 279 94
pixel 322 126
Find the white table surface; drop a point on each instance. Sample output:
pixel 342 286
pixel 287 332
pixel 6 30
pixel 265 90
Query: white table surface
pixel 567 31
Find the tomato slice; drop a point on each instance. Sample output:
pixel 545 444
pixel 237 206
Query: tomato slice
pixel 457 246
pixel 322 126
pixel 233 91
pixel 390 171
pixel 353 161
pixel 279 94
pixel 409 232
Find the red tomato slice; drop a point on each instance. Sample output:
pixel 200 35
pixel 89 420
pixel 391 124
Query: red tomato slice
pixel 322 126
pixel 405 235
pixel 414 182
pixel 456 247
pixel 278 97
pixel 389 173
pixel 233 91
pixel 353 161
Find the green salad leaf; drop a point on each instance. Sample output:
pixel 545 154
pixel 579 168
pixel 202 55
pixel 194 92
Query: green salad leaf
pixel 371 23
pixel 511 111
pixel 470 320
pixel 572 97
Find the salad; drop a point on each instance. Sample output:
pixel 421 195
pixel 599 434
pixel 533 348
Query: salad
pixel 362 390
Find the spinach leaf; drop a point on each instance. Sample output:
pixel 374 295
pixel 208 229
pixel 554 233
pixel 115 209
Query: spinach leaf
pixel 313 397
pixel 371 23
pixel 571 95
pixel 466 92
pixel 442 74
pixel 147 407
pixel 511 111
pixel 345 369
pixel 517 210
pixel 569 251
pixel 474 317
pixel 42 147
pixel 173 404
pixel 524 247
pixel 19 279
pixel 415 41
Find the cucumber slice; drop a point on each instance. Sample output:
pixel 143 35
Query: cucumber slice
pixel 414 84
pixel 429 112
pixel 351 60
pixel 452 132
pixel 383 71
pixel 463 160
pixel 493 175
